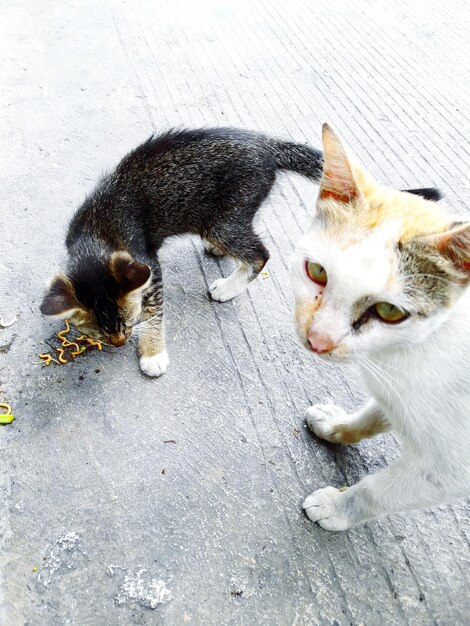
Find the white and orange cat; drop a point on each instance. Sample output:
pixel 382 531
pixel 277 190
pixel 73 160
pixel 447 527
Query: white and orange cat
pixel 382 279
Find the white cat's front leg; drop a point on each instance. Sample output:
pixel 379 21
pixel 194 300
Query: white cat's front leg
pixel 403 486
pixel 332 423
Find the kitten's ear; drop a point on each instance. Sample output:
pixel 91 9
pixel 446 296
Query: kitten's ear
pixel 455 245
pixel 337 180
pixel 128 272
pixel 60 300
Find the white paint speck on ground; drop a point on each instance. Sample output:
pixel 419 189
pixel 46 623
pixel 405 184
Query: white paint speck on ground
pixel 145 591
pixel 64 554
pixel 112 570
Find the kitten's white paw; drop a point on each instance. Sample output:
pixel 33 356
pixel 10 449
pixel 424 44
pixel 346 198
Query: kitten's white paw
pixel 213 249
pixel 321 506
pixel 324 420
pixel 155 365
pixel 224 289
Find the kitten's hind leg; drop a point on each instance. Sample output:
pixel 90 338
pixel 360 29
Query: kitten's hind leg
pixel 248 248
pixel 212 248
pixel 153 355
pixel 332 423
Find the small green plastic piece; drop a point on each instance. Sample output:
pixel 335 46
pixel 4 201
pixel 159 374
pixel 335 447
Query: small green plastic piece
pixel 6 419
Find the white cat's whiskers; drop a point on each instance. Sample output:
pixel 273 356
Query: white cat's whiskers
pixel 384 371
pixel 411 289
pixel 383 377
pixel 446 280
pixel 386 388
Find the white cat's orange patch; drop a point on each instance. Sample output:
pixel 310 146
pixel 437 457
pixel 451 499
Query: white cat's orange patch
pixel 305 312
pixel 416 215
pixel 351 196
pixel 379 204
pixel 347 434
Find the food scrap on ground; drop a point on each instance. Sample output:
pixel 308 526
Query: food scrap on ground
pixel 10 323
pixel 61 357
pixel 265 275
pixel 6 418
pixel 62 353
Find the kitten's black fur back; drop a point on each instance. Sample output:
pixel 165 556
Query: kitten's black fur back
pixel 205 181
pixel 208 181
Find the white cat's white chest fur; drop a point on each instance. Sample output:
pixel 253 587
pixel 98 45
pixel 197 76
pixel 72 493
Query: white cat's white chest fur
pixel 426 387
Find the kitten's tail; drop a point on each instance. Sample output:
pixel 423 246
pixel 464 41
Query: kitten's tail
pixel 298 158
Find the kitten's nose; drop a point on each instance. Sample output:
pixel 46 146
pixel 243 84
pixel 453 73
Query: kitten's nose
pixel 119 339
pixel 320 343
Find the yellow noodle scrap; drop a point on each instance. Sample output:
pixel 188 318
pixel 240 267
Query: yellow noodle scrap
pixel 61 358
pixel 6 418
pixel 65 330
pixel 47 358
pixel 75 353
pixel 94 343
pixel 67 344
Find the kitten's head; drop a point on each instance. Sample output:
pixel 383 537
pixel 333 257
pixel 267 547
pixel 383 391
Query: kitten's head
pixel 378 269
pixel 101 295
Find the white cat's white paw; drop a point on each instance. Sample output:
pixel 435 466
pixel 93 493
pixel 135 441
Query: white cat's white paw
pixel 323 420
pixel 321 506
pixel 224 289
pixel 213 249
pixel 155 365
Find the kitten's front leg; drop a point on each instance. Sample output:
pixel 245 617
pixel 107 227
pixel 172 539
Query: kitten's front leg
pixel 406 485
pixel 153 355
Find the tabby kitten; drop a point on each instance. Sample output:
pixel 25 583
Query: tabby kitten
pixel 209 182
pixel 382 279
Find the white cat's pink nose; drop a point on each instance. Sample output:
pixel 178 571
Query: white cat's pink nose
pixel 320 343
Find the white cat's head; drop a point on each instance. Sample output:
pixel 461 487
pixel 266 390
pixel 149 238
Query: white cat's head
pixel 378 268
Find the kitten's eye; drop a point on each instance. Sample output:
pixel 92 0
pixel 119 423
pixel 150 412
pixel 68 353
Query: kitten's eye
pixel 316 272
pixel 389 312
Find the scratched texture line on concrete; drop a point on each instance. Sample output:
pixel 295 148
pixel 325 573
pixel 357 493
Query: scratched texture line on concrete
pixel 122 527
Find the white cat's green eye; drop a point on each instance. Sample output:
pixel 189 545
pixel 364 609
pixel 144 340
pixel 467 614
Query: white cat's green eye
pixel 390 313
pixel 316 272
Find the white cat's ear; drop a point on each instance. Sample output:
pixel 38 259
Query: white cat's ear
pixel 337 181
pixel 60 300
pixel 454 244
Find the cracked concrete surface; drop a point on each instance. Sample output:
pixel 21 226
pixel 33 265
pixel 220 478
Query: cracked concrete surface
pixel 126 500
